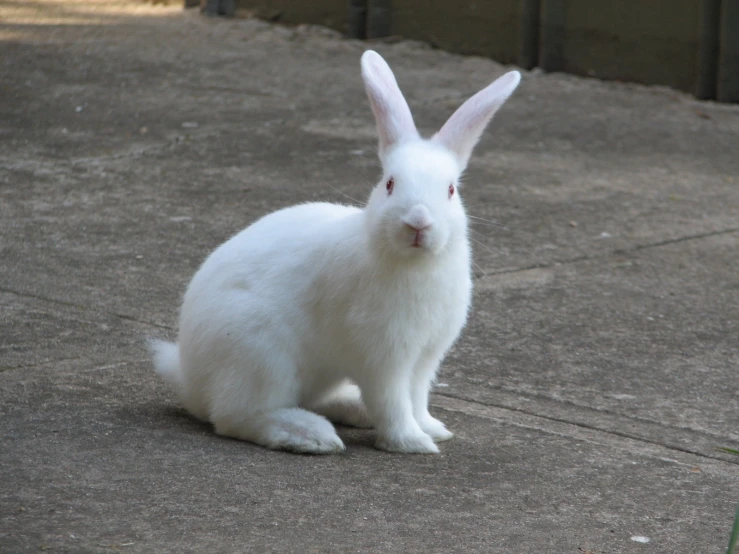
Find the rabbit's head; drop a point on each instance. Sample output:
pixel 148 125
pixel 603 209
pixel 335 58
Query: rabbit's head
pixel 415 209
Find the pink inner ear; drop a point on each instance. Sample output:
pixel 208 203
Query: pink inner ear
pixel 379 73
pixel 465 127
pixel 393 117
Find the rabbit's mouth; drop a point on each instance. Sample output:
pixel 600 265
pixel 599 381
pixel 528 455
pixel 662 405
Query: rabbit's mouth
pixel 416 242
pixel 420 240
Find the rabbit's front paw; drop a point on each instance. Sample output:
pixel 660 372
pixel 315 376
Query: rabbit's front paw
pixel 419 443
pixel 434 428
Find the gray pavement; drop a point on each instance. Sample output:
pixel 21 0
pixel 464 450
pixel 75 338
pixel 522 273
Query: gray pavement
pixel 590 395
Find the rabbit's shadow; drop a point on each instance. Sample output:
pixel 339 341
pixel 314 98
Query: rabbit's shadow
pixel 176 419
pixel 157 416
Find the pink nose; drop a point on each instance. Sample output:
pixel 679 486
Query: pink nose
pixel 418 227
pixel 418 218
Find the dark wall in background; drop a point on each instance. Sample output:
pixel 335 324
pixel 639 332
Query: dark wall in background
pixel 488 29
pixel 649 41
pixel 330 13
pixel 691 45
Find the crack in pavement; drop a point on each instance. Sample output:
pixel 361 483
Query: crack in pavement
pixel 483 409
pixel 615 252
pixel 562 402
pixel 38 364
pixel 686 238
pixel 85 308
pixel 131 153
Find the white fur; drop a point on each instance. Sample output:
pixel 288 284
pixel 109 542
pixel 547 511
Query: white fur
pixel 281 318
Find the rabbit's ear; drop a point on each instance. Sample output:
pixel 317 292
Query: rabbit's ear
pixel 394 119
pixel 462 131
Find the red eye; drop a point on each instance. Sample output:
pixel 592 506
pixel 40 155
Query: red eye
pixel 389 185
pixel 451 191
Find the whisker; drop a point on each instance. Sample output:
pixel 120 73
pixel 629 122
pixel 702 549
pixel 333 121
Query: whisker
pixel 487 224
pixel 490 221
pixel 485 246
pixel 478 233
pixel 343 194
pixel 485 273
pixel 479 204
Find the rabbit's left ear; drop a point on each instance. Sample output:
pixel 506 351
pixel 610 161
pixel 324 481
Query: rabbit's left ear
pixel 393 116
pixel 462 131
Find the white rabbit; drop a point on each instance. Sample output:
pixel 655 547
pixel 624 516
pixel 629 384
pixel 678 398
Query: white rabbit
pixel 285 323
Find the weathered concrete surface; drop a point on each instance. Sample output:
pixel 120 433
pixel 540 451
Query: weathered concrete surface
pixel 590 394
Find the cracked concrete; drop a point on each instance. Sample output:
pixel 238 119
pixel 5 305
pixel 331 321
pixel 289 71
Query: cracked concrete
pixel 590 395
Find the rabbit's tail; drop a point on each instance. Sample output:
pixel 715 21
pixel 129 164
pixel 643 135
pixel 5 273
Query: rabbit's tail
pixel 167 362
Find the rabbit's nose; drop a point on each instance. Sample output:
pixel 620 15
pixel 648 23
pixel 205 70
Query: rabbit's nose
pixel 417 228
pixel 418 218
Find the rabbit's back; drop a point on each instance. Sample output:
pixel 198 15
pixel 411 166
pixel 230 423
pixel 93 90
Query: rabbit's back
pixel 262 281
pixel 269 250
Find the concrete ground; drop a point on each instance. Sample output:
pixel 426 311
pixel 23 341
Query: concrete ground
pixel 592 391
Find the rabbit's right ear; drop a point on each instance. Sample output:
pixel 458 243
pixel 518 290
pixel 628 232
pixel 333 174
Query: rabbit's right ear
pixel 392 114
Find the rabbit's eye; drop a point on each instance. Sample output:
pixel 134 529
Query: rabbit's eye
pixel 451 191
pixel 389 185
